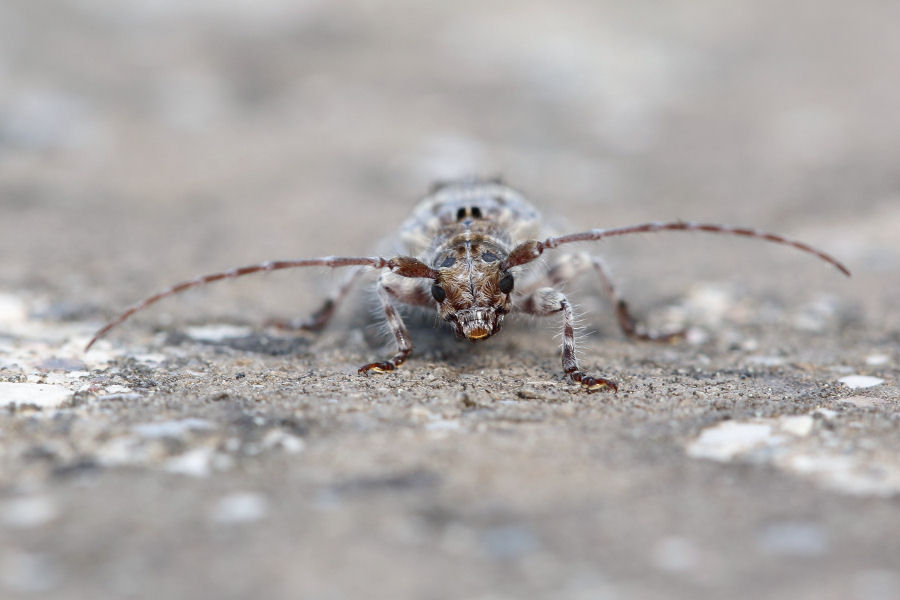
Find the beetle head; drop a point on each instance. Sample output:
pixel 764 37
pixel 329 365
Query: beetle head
pixel 472 290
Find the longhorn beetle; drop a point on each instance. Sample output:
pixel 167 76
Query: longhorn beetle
pixel 465 245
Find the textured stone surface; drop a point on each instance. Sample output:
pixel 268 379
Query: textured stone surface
pixel 197 453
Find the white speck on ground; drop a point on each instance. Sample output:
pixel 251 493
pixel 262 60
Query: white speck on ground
pixel 127 450
pixel 727 440
pixel 173 429
pixel 240 507
pixel 443 425
pixel 798 425
pixel 28 511
pixel 708 303
pixel 217 332
pixel 196 463
pixel 118 392
pixel 787 443
pixel 857 474
pixel 825 413
pixel 282 440
pixel 13 309
pixel 39 395
pixel 118 389
pixel 877 360
pixel 855 382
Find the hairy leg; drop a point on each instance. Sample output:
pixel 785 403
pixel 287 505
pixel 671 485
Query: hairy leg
pixel 409 292
pixel 571 267
pixel 544 302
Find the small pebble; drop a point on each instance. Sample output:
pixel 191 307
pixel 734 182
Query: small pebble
pixel 118 389
pixel 39 395
pixel 798 425
pixel 119 393
pixel 729 439
pixel 855 382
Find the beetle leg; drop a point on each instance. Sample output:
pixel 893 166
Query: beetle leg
pixel 547 301
pixel 406 291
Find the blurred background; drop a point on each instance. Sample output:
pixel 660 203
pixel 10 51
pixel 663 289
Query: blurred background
pixel 146 141
pixel 142 141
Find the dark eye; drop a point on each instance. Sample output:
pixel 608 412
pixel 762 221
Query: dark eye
pixel 439 293
pixel 448 262
pixel 489 257
pixel 506 284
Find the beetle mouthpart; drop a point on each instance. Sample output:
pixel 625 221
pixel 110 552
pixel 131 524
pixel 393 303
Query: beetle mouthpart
pixel 475 324
pixel 478 334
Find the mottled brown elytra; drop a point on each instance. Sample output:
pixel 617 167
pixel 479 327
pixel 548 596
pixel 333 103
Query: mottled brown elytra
pixel 465 244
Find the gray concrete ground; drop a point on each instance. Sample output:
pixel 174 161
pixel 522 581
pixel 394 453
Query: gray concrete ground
pixel 196 453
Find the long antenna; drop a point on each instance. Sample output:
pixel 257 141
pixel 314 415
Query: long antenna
pixel 529 251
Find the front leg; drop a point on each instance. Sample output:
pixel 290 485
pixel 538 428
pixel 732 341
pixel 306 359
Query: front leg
pixel 405 290
pixel 547 301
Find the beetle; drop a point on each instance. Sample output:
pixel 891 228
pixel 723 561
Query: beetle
pixel 465 245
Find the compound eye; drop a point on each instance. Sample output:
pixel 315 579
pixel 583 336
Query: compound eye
pixel 507 283
pixel 438 292
pixel 448 262
pixel 489 257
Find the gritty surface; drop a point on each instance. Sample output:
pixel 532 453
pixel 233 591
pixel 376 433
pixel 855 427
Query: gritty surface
pixel 196 453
